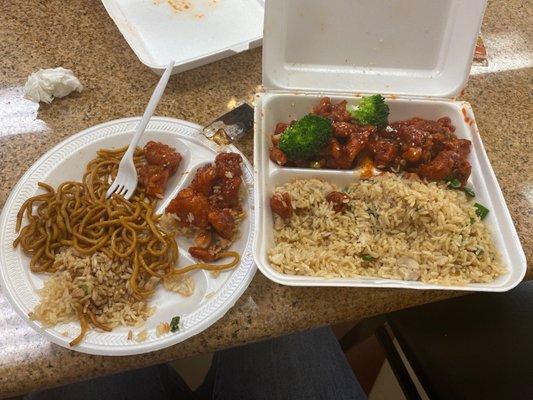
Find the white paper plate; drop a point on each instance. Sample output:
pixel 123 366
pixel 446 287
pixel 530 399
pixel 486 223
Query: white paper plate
pixel 212 297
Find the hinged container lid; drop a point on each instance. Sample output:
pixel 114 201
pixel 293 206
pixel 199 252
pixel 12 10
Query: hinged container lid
pixel 403 47
pixel 192 33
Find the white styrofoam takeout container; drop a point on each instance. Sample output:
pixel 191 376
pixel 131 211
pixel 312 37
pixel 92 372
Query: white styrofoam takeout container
pixel 416 53
pixel 207 31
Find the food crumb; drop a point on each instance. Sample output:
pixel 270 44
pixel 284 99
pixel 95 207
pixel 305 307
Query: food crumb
pixel 232 103
pixel 179 5
pixel 209 295
pixel 64 333
pixel 162 328
pixel 141 336
pixel 130 334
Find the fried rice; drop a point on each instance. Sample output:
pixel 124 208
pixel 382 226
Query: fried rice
pixel 393 228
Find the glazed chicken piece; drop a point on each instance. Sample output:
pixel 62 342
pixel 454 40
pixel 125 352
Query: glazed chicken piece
pixel 439 142
pixel 447 150
pixel 323 108
pixel 280 128
pixel 162 161
pixel 411 136
pixel 384 152
pixel 228 165
pixel 343 156
pixel 203 239
pixel 337 158
pixel 278 156
pixel 357 142
pixel 334 149
pixel 440 167
pixel 415 144
pixel 203 254
pixel 446 123
pixel 163 155
pixel 281 204
pixel 206 204
pixel 154 178
pixel 413 154
pixel 462 170
pixel 339 201
pixel 223 222
pixel 341 162
pixel 343 129
pixel 339 112
pixel 336 112
pixel 459 146
pixel 204 179
pixel 191 207
pixel 227 193
pixel 442 125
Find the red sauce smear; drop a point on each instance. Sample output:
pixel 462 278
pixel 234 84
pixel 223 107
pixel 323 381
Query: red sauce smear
pixel 367 167
pixel 465 116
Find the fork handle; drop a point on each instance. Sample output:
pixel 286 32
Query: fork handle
pixel 150 108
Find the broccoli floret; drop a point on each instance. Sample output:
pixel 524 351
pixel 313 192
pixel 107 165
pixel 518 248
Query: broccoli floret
pixel 306 137
pixel 372 110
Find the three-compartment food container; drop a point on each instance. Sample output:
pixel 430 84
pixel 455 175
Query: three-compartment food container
pixel 414 52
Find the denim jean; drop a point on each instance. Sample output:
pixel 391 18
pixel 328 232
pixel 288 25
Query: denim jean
pixel 308 365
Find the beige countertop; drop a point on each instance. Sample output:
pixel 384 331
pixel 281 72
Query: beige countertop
pixel 78 34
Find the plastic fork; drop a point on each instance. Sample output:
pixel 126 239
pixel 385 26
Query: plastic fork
pixel 126 181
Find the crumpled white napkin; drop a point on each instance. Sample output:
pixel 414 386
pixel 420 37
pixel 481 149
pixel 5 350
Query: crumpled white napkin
pixel 46 84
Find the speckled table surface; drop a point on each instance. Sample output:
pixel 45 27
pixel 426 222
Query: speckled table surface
pixel 79 35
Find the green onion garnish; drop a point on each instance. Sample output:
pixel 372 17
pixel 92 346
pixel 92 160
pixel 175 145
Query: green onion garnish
pixel 175 324
pixel 481 210
pixel 85 288
pixel 367 257
pixel 469 192
pixel 454 183
pixel 372 212
pixel 479 251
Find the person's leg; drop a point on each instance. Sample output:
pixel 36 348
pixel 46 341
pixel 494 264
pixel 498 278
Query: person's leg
pixel 308 365
pixel 159 382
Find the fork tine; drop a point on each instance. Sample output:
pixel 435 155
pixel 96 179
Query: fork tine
pixel 118 189
pixel 112 189
pixel 126 193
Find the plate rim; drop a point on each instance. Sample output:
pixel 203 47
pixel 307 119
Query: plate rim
pixel 248 272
